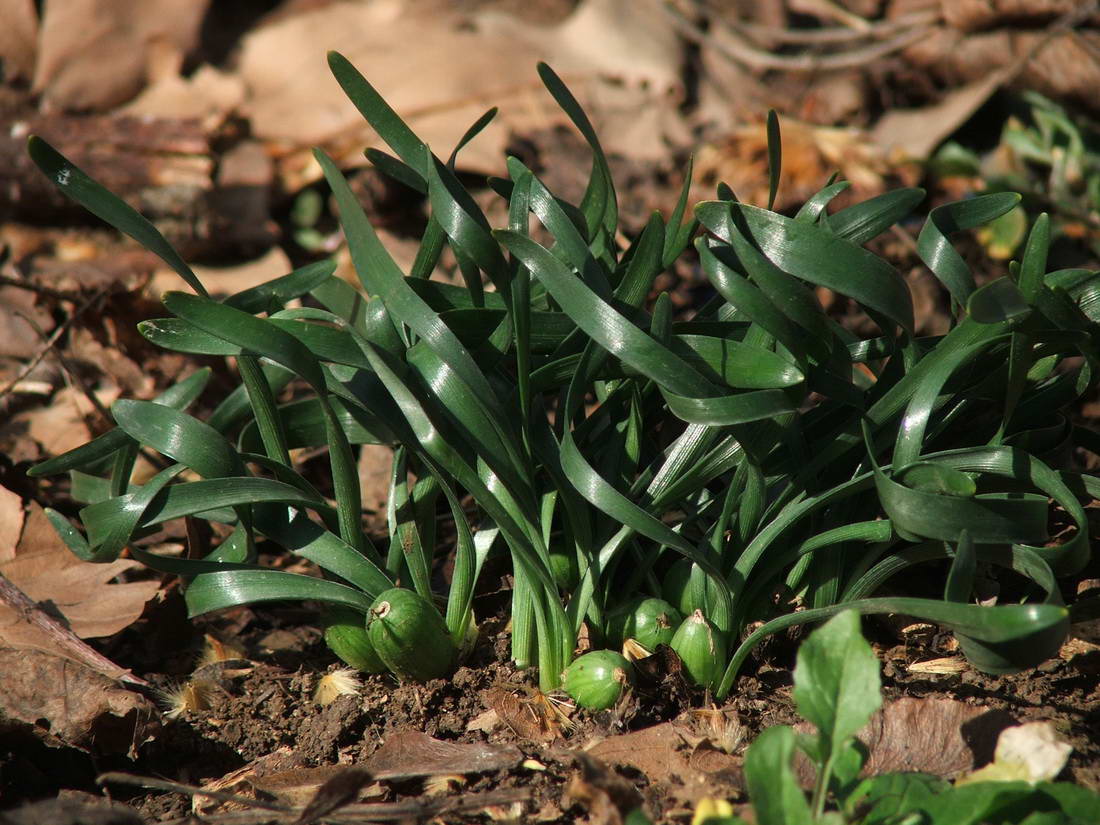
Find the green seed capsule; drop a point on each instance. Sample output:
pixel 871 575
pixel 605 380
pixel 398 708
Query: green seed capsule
pixel 346 636
pixel 655 623
pixel 649 621
pixel 676 589
pixel 409 635
pixel 597 680
pixel 701 648
pixel 564 568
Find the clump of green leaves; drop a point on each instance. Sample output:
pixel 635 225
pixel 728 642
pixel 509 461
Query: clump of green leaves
pixel 757 455
pixel 837 689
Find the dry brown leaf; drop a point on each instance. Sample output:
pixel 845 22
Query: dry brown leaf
pixel 23 323
pixel 412 753
pixel 18 38
pixel 209 96
pixel 1031 752
pixel 47 572
pixel 83 709
pixel 942 665
pixel 243 781
pixel 915 133
pixel 607 796
pixel 443 73
pixel 810 154
pixel 972 15
pixel 944 737
pixel 94 54
pixel 375 462
pixel 11 523
pixel 83 810
pixel 62 425
pixel 527 718
pixel 662 753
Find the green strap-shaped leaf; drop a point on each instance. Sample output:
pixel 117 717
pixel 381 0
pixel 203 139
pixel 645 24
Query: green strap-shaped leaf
pixel 107 207
pixel 816 256
pixel 230 588
pixel 599 204
pixel 936 250
pixel 255 335
pixel 179 436
pixel 863 221
pixel 273 295
pixel 602 323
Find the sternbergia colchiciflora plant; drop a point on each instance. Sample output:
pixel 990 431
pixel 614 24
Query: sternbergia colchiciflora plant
pixel 755 462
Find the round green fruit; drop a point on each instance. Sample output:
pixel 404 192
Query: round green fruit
pixel 649 621
pixel 409 635
pixel 701 648
pixel 346 636
pixel 597 680
pixel 564 568
pixel 676 588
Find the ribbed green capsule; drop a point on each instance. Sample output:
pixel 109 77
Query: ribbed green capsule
pixel 701 648
pixel 598 679
pixel 346 636
pixel 676 588
pixel 649 621
pixel 410 636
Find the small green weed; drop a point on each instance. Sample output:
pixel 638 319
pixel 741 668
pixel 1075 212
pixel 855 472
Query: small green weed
pixel 836 687
pixel 753 458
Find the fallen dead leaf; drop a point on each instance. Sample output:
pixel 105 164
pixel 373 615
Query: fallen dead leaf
pixel 915 133
pixel 85 810
pixel 243 781
pixel 946 664
pixel 221 281
pixel 11 523
pixel 1031 752
pixel 810 154
pixel 208 96
pixel 535 720
pixel 82 708
pixel 410 753
pixel 63 424
pixel 342 788
pixel 607 796
pixel 18 38
pixel 47 572
pixel 94 54
pixel 943 737
pixel 441 74
pixel 672 755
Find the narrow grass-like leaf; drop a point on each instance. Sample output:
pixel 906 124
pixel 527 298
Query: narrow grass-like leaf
pixel 107 207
